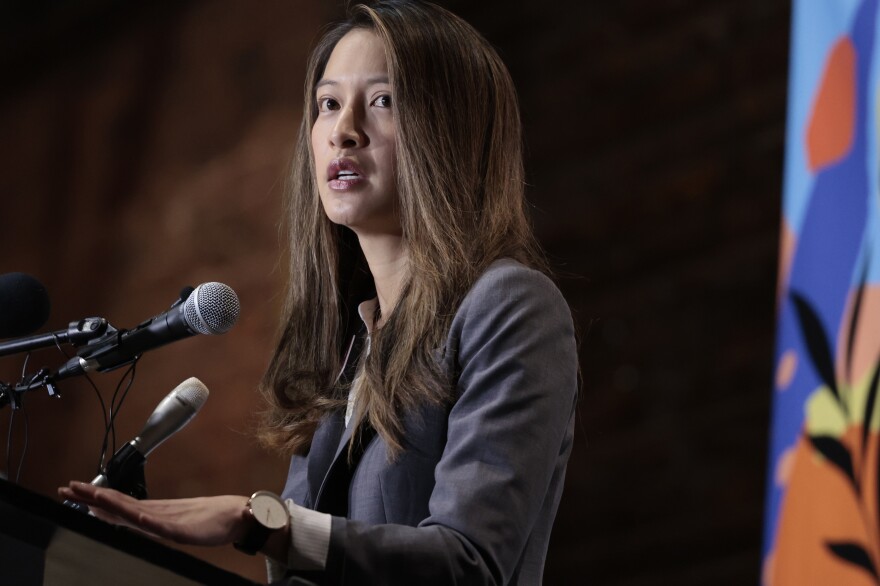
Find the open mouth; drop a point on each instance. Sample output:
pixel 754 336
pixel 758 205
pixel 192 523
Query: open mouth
pixel 343 174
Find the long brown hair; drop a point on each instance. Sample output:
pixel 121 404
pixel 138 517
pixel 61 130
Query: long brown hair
pixel 461 202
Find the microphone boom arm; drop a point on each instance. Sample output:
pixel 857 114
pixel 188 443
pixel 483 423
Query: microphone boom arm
pixel 77 333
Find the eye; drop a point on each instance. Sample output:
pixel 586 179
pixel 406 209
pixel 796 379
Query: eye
pixel 327 104
pixel 383 101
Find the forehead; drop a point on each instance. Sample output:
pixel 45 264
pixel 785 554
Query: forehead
pixel 359 53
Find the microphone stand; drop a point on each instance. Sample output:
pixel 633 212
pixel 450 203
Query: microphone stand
pixel 77 333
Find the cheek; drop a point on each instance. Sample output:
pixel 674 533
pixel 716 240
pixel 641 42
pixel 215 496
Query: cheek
pixel 319 157
pixel 321 130
pixel 314 140
pixel 391 157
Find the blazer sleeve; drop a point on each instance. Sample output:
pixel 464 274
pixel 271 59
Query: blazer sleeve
pixel 512 346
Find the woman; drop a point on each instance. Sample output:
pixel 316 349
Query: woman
pixel 426 375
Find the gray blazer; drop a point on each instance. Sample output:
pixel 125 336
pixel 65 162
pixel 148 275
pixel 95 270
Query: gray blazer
pixel 472 498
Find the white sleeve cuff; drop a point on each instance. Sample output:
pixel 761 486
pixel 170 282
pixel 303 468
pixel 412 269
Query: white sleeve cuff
pixel 309 538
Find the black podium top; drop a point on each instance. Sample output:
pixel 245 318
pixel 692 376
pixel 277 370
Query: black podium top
pixel 45 542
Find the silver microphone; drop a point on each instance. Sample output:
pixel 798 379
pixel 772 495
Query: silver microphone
pixel 124 472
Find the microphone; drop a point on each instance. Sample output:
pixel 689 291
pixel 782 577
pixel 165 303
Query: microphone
pixel 125 471
pixel 24 305
pixel 212 308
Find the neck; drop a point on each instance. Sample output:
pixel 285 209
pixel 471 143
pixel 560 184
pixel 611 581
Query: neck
pixel 388 261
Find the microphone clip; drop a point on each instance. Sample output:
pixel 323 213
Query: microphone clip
pixel 125 472
pixel 11 394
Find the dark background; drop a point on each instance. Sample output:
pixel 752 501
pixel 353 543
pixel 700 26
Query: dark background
pixel 144 147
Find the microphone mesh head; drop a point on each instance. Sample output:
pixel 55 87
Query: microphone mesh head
pixel 212 308
pixel 193 392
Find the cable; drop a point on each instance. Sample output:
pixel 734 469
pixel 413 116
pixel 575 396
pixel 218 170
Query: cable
pixel 24 448
pixel 110 429
pixel 9 473
pixel 104 419
pixel 109 421
pixel 9 444
pixel 91 383
pixel 11 430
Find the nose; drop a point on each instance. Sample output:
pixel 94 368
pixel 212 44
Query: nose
pixel 348 132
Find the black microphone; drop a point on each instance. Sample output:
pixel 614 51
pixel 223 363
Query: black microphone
pixel 24 305
pixel 125 471
pixel 212 308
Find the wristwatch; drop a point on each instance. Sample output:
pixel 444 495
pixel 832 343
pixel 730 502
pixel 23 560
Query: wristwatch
pixel 268 513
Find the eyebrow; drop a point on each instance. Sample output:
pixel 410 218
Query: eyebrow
pixel 370 81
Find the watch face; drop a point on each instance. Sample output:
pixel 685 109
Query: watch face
pixel 269 510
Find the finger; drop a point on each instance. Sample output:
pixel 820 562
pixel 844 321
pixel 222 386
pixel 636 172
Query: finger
pixel 116 507
pixel 92 509
pixel 113 507
pixel 105 497
pixel 66 493
pixel 118 504
pixel 82 491
pixel 81 488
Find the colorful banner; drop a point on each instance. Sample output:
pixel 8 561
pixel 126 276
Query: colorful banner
pixel 823 494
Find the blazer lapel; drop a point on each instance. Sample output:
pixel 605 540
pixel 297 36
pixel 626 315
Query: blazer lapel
pixel 332 496
pixel 332 436
pixel 323 450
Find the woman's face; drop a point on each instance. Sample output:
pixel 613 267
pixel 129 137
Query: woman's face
pixel 353 137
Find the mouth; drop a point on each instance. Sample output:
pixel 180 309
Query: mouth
pixel 343 173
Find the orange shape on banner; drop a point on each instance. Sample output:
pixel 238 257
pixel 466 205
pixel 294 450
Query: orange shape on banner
pixel 822 509
pixel 832 122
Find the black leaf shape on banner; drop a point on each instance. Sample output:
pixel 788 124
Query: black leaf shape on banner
pixel 853 553
pixel 856 312
pixel 837 454
pixel 817 344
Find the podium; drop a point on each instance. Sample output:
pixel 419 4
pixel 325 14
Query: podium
pixel 44 543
